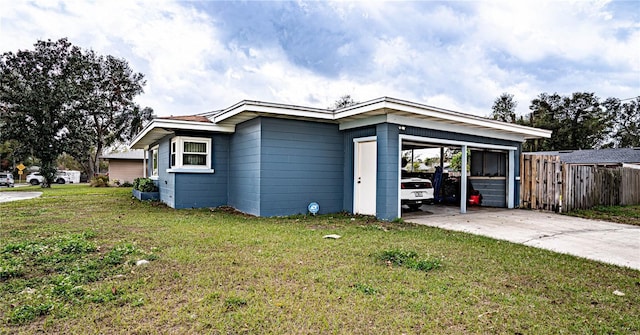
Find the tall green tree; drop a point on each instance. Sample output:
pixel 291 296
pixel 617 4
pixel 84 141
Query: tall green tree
pixel 38 99
pixel 626 128
pixel 577 121
pixel 504 108
pixel 110 114
pixel 61 99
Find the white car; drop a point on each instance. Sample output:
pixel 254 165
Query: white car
pixel 35 178
pixel 415 192
pixel 6 179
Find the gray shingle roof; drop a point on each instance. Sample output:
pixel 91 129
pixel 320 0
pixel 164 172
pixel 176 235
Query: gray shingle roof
pixel 131 154
pixel 596 156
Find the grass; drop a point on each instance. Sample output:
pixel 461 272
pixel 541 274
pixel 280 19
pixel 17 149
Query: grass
pixel 71 269
pixel 619 214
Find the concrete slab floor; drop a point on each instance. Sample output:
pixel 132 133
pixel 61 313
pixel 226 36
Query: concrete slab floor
pixel 607 242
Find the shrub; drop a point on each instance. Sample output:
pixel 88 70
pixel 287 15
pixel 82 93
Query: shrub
pixel 126 184
pixel 100 181
pixel 144 185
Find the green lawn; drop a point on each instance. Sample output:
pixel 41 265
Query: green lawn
pixel 620 214
pixel 68 266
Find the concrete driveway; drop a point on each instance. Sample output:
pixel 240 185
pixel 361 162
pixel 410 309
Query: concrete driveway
pixel 607 242
pixel 14 196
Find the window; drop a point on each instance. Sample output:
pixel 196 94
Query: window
pixel 488 164
pixel 154 161
pixel 190 153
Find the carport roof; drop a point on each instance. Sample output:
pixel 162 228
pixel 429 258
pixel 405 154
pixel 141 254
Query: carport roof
pixel 371 112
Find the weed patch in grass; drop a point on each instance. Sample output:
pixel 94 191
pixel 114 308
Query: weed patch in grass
pixel 364 288
pixel 61 268
pixel 233 303
pixel 408 259
pixel 27 313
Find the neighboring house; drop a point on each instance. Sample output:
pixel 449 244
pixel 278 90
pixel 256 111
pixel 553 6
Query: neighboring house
pixel 125 166
pixel 271 159
pixel 602 157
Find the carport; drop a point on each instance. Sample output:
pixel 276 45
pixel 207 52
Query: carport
pixel 494 165
pixel 377 131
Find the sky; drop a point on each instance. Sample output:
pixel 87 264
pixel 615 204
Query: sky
pixel 201 56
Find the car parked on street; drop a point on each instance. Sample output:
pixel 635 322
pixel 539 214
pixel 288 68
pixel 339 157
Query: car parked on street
pixel 35 178
pixel 6 179
pixel 415 192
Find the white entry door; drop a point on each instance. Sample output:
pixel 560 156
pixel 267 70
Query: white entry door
pixel 365 177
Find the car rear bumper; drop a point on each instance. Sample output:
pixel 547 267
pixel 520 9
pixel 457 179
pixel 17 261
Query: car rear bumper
pixel 416 201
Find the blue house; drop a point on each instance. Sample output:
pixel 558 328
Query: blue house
pixel 270 159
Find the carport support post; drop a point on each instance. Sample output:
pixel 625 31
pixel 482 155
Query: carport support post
pixel 463 181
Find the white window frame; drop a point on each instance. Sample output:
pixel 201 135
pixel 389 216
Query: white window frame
pixel 154 163
pixel 177 154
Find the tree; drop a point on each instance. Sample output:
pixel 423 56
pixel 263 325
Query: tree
pixel 110 114
pixel 626 128
pixel 456 161
pixel 504 108
pixel 576 122
pixel 37 100
pixel 59 99
pixel 344 101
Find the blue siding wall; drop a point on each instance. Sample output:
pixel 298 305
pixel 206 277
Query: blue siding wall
pixel 493 191
pixel 301 162
pixel 205 189
pixel 244 167
pixel 387 202
pixel 347 189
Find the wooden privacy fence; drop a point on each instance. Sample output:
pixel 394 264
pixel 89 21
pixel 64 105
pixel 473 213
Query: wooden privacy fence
pixel 548 184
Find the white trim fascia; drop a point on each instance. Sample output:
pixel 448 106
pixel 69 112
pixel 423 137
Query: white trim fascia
pixel 180 124
pixel 271 108
pixel 439 113
pixel 365 139
pixel 193 125
pixel 456 143
pixel 180 170
pixel 421 123
pixel 456 128
pixel 142 134
pixel 472 120
pixel 360 108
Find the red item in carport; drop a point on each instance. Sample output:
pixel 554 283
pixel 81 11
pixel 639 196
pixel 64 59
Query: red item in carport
pixel 475 199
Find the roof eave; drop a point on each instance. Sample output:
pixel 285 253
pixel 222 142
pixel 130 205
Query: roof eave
pixel 442 114
pixel 168 126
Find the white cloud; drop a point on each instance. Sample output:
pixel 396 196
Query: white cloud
pixel 458 56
